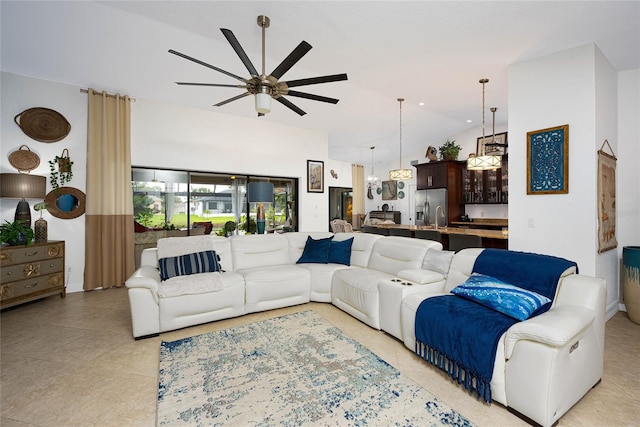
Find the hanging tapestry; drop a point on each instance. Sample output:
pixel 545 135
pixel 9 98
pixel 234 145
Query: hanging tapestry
pixel 606 199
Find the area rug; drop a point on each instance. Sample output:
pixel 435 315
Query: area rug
pixel 291 370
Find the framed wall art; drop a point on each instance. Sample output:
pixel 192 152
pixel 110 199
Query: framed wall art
pixel 315 176
pixel 389 190
pixel 486 146
pixel 606 199
pixel 548 161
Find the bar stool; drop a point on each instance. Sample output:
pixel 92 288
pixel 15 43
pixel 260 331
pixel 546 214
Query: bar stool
pixel 428 235
pixel 370 229
pixel 461 241
pixel 404 232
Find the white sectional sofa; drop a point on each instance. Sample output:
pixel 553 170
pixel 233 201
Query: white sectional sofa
pixel 544 365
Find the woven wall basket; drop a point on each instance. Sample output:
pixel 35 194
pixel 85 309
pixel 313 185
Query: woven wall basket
pixel 24 159
pixel 43 124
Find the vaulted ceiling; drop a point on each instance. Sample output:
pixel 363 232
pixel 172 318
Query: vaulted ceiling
pixel 430 52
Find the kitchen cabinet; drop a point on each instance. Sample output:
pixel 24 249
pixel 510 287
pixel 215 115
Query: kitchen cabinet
pixel 31 272
pixel 446 174
pixel 487 187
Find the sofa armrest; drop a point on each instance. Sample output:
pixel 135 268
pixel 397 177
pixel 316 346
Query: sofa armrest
pixel 420 276
pixel 149 257
pixel 556 328
pixel 144 277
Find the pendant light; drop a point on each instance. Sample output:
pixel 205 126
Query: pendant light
pixel 482 161
pixel 373 179
pixel 400 174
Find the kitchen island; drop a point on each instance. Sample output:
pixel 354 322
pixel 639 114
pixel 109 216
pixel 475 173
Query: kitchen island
pixel 490 238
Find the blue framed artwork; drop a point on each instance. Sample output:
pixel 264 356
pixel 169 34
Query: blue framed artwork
pixel 548 161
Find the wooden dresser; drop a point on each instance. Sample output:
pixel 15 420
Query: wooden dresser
pixel 31 272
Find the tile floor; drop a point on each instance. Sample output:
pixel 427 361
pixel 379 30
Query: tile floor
pixel 73 362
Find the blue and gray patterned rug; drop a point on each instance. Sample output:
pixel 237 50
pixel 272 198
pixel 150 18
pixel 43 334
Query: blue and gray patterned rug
pixel 292 370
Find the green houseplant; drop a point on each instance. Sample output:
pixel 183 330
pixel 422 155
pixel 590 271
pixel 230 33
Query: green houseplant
pixel 450 150
pixel 61 170
pixel 16 233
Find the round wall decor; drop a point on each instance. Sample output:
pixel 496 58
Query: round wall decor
pixel 43 124
pixel 24 160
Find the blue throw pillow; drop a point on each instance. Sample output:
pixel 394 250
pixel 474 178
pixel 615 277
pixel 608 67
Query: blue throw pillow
pixel 315 251
pixel 501 296
pixel 183 265
pixel 340 251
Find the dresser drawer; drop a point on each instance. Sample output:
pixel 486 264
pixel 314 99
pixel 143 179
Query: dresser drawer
pixel 32 253
pixel 31 269
pixel 40 284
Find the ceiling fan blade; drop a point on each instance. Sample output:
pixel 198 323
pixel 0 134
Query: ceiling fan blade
pixel 209 84
pixel 288 62
pixel 290 105
pixel 226 101
pixel 235 44
pixel 313 97
pixel 316 80
pixel 197 61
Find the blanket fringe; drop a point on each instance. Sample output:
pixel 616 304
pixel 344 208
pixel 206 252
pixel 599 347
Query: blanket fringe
pixel 472 381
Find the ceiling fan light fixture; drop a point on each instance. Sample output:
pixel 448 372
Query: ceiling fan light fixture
pixel 263 103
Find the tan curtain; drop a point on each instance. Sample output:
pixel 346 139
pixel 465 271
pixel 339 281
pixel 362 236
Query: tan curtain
pixel 109 241
pixel 357 183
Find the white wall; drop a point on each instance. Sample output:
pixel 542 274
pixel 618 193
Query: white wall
pixel 164 135
pixel 18 94
pixel 577 87
pixel 173 136
pixel 628 153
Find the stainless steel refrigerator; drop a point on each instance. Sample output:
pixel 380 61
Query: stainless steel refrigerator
pixel 427 202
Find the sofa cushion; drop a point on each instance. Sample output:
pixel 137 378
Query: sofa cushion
pixel 316 251
pixel 191 285
pixel 340 252
pixel 184 265
pixel 438 261
pixel 501 296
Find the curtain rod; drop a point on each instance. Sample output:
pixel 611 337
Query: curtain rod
pixel 108 94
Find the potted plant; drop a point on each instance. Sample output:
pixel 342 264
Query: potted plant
pixel 450 150
pixel 61 170
pixel 16 233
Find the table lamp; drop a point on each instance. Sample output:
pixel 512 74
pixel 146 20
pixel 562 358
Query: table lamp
pixel 260 192
pixel 22 186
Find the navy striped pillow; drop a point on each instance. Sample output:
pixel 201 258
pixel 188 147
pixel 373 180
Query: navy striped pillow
pixel 198 262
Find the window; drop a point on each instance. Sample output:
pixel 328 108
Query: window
pixel 168 199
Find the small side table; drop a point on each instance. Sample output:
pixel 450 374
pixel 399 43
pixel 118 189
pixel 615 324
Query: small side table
pixel 392 292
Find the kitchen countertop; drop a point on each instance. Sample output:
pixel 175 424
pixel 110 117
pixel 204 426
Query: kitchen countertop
pixel 487 234
pixel 490 222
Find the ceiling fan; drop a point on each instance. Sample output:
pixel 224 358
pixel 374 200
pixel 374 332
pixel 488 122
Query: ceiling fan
pixel 266 87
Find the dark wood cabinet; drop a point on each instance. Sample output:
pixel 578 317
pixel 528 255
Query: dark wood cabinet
pixel 444 174
pixel 487 187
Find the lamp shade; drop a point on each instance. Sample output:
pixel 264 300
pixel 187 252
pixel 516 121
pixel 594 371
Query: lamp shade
pixel 260 192
pixel 22 186
pixel 480 163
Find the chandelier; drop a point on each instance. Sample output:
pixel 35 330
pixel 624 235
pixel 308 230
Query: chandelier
pixel 483 161
pixel 399 174
pixel 373 179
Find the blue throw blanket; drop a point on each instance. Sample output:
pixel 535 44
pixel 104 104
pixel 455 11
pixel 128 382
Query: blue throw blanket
pixel 461 336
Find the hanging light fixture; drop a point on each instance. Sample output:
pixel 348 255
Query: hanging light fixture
pixel 482 161
pixel 399 174
pixel 373 179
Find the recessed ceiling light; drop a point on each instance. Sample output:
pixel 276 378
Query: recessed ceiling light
pixel 421 104
pixel 469 121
